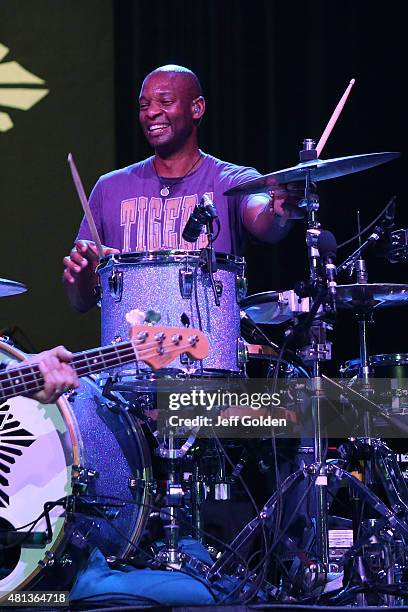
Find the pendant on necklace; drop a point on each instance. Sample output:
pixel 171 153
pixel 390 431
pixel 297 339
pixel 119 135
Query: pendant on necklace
pixel 164 191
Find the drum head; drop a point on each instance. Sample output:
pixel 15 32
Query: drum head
pixel 39 445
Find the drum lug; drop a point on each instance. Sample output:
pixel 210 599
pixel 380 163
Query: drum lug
pixel 241 286
pixel 186 283
pixel 218 287
pixel 116 285
pixel 48 561
pixel 185 360
pixel 82 476
pixel 242 353
pixel 138 483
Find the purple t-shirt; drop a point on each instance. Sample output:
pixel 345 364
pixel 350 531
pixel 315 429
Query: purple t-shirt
pixel 131 215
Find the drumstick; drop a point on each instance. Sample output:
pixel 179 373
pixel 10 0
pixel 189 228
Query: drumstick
pixel 85 205
pixel 333 118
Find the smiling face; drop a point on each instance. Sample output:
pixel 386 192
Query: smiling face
pixel 168 114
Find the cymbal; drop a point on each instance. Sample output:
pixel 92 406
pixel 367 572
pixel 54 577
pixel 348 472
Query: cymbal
pixel 320 170
pixel 274 307
pixel 371 295
pixel 9 287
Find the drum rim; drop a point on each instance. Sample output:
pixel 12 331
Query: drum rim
pixel 386 359
pixel 164 256
pixel 389 359
pixel 257 299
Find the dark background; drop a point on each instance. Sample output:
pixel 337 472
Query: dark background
pixel 272 73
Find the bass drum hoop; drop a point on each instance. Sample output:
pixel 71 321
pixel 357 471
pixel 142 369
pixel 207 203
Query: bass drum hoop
pixel 77 456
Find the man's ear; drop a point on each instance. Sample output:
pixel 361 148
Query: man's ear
pixel 198 108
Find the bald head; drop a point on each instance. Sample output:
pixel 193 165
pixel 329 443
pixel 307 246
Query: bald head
pixel 192 85
pixel 170 109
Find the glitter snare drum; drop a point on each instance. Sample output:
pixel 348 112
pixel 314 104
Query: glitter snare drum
pixel 177 284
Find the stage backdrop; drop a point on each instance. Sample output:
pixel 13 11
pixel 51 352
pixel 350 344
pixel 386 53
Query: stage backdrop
pixel 272 74
pixel 56 96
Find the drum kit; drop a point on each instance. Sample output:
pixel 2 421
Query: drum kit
pixel 96 471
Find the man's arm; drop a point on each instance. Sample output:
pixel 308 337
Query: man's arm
pixel 269 217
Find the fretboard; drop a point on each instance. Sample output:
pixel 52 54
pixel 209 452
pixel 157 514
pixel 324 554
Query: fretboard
pixel 28 379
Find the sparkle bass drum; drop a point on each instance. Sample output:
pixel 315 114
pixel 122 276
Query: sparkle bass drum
pixel 85 446
pixel 177 284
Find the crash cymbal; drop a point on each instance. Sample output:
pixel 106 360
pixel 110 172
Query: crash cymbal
pixel 371 295
pixel 320 170
pixel 9 287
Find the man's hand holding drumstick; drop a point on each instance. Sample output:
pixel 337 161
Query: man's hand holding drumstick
pixel 80 265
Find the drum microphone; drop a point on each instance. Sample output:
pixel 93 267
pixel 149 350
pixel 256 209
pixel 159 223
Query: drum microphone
pixel 203 213
pixel 327 247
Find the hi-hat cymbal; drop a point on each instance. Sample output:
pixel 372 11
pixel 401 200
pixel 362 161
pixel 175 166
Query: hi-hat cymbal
pixel 319 169
pixel 9 287
pixel 371 295
pixel 275 307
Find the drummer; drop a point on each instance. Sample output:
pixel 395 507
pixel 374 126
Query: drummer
pixel 145 206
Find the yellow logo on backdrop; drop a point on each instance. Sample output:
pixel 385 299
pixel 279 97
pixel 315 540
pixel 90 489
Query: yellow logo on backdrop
pixel 18 92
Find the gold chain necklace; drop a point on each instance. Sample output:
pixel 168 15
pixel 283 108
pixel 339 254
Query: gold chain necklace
pixel 165 190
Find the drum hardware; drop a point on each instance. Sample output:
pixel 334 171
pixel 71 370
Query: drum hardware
pixel 218 287
pixel 355 259
pixel 82 476
pixel 241 287
pixel 186 279
pixel 242 353
pixel 115 282
pixel 311 332
pixel 139 483
pixel 173 489
pixel 397 249
pixel 275 307
pixel 203 217
pixel 208 264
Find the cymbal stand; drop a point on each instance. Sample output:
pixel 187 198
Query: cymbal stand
pixel 316 351
pixel 171 555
